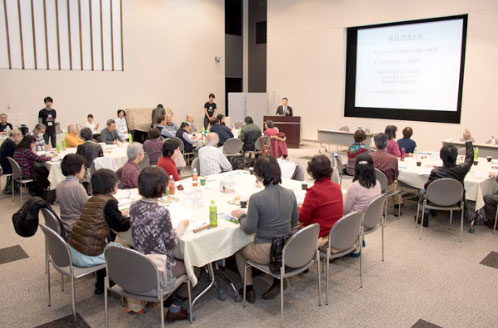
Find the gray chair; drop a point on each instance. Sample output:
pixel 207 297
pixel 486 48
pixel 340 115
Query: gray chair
pixel 232 147
pixel 444 195
pixel 137 277
pixel 344 237
pixel 258 146
pixel 187 156
pixel 381 177
pixel 1 176
pixel 52 222
pixel 298 173
pixel 17 177
pixel 373 218
pixel 299 253
pixel 338 165
pixel 196 165
pixel 60 257
pixel 496 220
pixel 238 125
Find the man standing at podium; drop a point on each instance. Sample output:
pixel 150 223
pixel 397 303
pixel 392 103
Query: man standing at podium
pixel 284 109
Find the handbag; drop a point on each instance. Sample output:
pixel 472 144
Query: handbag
pixel 277 247
pixel 265 150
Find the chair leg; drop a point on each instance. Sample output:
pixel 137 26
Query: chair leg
pixel 421 221
pixel 48 284
pixel 496 219
pixel 418 210
pixel 73 295
pixel 361 277
pixel 62 282
pixel 191 313
pixel 282 272
pixel 244 288
pixel 319 278
pixel 327 264
pixel 161 306
pixel 46 256
pixel 382 241
pixel 20 191
pixel 461 223
pixel 106 286
pixel 451 217
pixel 13 188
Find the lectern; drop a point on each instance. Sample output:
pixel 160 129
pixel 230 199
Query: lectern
pixel 290 125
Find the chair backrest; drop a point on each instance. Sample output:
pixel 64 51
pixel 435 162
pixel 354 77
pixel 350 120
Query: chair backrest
pixel 301 247
pixel 344 128
pixel 259 146
pixel 16 169
pixel 232 146
pixel 345 232
pixel 299 173
pixel 182 146
pixel 196 165
pixel 238 125
pixel 146 162
pixel 445 192
pixel 339 165
pixel 51 220
pixel 335 176
pixel 57 247
pixel 104 163
pixel 372 216
pixel 379 175
pixel 131 270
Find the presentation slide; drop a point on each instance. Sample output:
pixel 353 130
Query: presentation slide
pixel 409 70
pixel 415 66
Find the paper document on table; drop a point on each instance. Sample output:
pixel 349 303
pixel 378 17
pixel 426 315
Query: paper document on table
pixel 287 168
pixel 122 194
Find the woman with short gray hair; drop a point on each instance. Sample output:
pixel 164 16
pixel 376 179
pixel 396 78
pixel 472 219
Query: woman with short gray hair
pixel 128 174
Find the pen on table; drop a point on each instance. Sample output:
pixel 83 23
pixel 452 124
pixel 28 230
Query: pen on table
pixel 207 226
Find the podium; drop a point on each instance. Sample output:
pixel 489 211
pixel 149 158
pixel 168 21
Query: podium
pixel 290 125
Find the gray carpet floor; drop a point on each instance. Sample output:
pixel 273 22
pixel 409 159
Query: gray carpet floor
pixel 436 280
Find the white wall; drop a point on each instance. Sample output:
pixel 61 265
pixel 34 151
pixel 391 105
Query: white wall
pixel 169 50
pixel 307 56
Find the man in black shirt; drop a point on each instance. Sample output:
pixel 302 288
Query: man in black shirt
pixel 4 125
pixel 209 111
pixel 7 150
pixel 284 109
pixel 47 116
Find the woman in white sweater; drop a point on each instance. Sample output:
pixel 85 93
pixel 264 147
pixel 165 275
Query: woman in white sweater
pixel 365 186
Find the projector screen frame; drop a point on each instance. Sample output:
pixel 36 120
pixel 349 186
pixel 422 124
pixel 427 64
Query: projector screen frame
pixel 350 110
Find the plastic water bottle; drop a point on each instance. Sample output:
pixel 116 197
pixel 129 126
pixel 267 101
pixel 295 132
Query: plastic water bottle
pixel 476 154
pixel 58 148
pixel 403 154
pixel 130 138
pixel 213 214
pixel 171 185
pixel 195 178
pixel 63 144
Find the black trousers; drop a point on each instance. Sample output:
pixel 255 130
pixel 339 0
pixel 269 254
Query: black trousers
pixel 52 136
pixel 490 201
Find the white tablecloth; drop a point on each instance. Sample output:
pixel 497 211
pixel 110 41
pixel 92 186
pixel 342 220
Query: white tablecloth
pixel 206 246
pixel 477 182
pixel 117 152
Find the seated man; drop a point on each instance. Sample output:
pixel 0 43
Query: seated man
pixel 170 126
pixel 249 134
pixel 388 164
pixel 211 158
pixel 450 169
pixel 90 150
pixel 7 150
pixel 128 174
pixel 72 140
pixel 109 135
pixel 190 120
pixel 5 126
pixel 161 126
pixel 38 132
pixel 188 140
pixel 224 133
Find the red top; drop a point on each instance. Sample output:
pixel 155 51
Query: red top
pixel 168 165
pixel 323 205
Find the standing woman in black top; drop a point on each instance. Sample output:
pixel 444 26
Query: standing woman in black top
pixel 47 116
pixel 209 111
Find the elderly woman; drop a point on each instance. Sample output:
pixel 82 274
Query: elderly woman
pixel 323 201
pixel 72 140
pixel 272 212
pixel 153 146
pixel 93 231
pixel 70 193
pixel 365 186
pixel 355 149
pixel 166 162
pixel 392 145
pixel 128 174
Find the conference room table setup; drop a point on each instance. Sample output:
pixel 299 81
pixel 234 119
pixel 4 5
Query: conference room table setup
pixel 116 153
pixel 479 181
pixel 202 244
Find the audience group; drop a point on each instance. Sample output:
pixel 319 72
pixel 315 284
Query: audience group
pixel 90 223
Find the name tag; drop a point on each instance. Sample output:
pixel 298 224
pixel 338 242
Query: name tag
pixel 49 123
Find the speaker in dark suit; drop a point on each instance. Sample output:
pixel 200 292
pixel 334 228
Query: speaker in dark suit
pixel 284 109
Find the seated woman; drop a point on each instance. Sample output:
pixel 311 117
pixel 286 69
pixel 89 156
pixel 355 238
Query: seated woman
pixel 166 162
pixel 26 158
pixel 121 125
pixel 153 232
pixel 365 186
pixel 218 126
pixel 93 231
pixel 323 202
pixel 406 142
pixel 355 149
pixel 70 193
pixel 128 174
pixel 278 140
pixel 392 145
pixel 153 146
pixel 272 212
pixel 270 129
pixel 90 150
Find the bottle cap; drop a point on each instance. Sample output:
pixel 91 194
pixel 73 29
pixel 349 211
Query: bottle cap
pixel 212 202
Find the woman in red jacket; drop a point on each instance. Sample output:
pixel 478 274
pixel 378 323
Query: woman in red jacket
pixel 323 202
pixel 166 162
